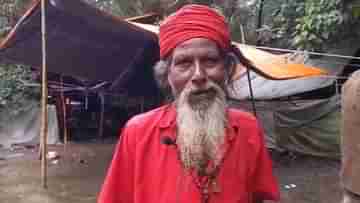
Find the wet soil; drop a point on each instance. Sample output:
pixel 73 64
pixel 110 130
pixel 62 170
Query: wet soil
pixel 316 180
pixel 76 175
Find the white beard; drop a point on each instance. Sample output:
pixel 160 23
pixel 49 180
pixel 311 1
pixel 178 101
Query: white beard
pixel 201 127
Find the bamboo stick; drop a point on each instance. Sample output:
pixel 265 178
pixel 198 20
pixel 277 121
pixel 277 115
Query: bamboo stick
pixel 248 75
pixel 102 112
pixel 63 104
pixel 44 111
pixel 142 104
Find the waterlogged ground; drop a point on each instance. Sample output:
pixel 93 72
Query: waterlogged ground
pixel 316 180
pixel 77 175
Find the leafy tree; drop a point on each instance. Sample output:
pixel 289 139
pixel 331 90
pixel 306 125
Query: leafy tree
pixel 311 24
pixel 301 24
pixel 10 11
pixel 15 92
pixel 237 12
pixel 17 88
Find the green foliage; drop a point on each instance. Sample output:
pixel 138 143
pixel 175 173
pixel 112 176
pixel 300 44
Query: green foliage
pixel 310 23
pixel 10 10
pixel 105 5
pixel 136 7
pixel 321 20
pixel 302 24
pixel 15 90
pixel 233 10
pixel 163 7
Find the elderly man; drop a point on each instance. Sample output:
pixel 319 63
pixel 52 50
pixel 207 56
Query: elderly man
pixel 350 173
pixel 194 149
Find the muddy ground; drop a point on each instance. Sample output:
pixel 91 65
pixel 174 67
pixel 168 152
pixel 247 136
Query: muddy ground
pixel 77 174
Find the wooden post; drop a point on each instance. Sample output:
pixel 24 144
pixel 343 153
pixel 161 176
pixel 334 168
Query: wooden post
pixel 248 76
pixel 142 104
pixel 261 8
pixel 102 114
pixel 63 104
pixel 44 111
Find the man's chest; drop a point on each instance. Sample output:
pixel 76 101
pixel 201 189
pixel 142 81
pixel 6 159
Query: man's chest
pixel 160 176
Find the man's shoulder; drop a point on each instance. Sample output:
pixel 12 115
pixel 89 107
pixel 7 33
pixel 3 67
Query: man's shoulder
pixel 241 117
pixel 146 117
pixel 249 128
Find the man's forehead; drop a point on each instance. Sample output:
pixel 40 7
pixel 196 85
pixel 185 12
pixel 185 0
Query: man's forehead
pixel 197 46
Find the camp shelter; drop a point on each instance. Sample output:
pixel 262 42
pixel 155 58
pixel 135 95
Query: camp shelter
pixel 298 115
pixel 302 115
pixel 88 45
pixel 24 126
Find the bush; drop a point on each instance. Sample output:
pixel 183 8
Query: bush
pixel 17 88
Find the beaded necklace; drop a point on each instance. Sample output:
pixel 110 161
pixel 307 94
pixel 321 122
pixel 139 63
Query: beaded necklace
pixel 206 183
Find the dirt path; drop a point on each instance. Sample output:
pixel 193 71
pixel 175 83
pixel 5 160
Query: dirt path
pixel 76 177
pixel 79 173
pixel 316 180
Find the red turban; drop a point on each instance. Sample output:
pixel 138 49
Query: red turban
pixel 193 21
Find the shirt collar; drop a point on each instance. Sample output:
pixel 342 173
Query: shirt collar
pixel 169 117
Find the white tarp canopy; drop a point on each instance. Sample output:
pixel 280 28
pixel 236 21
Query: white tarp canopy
pixel 24 127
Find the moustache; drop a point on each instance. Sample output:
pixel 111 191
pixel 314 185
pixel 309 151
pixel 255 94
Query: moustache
pixel 199 92
pixel 207 94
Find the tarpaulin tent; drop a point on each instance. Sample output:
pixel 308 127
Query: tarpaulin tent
pixel 87 43
pixel 301 115
pixel 24 127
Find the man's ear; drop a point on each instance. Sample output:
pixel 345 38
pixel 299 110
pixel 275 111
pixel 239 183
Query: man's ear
pixel 230 67
pixel 169 83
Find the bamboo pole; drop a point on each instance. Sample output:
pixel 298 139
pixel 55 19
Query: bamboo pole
pixel 63 104
pixel 142 104
pixel 44 112
pixel 248 75
pixel 102 114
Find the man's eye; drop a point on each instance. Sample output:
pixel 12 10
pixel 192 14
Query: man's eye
pixel 211 61
pixel 183 64
pixel 184 61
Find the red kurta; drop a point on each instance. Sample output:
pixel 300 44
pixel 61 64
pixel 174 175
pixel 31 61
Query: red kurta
pixel 144 170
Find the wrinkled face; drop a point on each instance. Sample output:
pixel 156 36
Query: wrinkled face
pixel 196 63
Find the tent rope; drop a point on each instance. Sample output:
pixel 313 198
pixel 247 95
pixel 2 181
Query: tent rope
pixel 252 98
pixel 304 52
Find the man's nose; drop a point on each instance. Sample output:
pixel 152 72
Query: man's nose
pixel 199 76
